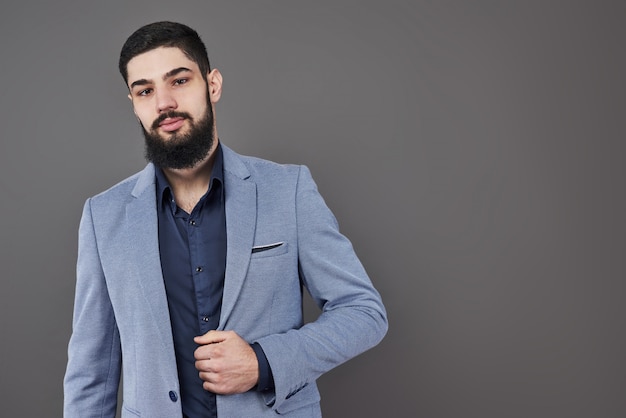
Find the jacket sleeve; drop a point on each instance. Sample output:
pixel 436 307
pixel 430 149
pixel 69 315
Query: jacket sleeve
pixel 94 357
pixel 353 318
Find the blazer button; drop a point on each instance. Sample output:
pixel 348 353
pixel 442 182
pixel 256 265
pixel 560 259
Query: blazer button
pixel 173 396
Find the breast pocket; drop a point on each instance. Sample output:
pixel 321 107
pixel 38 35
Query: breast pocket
pixel 269 250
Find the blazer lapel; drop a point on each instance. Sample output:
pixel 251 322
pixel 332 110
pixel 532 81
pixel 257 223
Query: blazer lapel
pixel 141 217
pixel 240 207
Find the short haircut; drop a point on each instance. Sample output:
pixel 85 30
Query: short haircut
pixel 164 34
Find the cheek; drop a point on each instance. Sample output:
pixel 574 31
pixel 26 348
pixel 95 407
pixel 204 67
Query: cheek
pixel 195 104
pixel 144 117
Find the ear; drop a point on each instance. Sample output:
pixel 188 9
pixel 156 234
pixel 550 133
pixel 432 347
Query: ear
pixel 131 101
pixel 214 82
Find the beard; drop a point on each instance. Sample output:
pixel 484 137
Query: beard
pixel 180 150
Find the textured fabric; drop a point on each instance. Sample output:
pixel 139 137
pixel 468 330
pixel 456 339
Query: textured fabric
pixel 280 236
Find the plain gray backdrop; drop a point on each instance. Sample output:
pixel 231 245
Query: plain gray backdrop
pixel 473 151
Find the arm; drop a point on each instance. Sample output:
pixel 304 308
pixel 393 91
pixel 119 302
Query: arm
pixel 94 359
pixel 353 318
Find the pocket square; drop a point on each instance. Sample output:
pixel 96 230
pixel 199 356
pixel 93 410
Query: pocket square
pixel 259 248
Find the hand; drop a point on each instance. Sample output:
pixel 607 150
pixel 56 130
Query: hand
pixel 226 362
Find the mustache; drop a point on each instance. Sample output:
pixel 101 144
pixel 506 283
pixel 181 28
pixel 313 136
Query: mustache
pixel 170 114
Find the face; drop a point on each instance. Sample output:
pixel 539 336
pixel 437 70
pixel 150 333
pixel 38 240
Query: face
pixel 174 105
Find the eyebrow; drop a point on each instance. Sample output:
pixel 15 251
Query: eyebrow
pixel 171 73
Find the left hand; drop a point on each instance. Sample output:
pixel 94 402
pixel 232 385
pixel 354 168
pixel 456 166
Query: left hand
pixel 226 363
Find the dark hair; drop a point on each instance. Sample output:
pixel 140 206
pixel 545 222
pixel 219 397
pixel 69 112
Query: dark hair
pixel 164 34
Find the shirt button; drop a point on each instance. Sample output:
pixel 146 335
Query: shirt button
pixel 173 396
pixel 199 269
pixel 192 222
pixel 205 318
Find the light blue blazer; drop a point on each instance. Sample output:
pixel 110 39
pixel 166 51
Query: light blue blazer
pixel 121 324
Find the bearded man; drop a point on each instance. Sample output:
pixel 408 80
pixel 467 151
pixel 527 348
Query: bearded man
pixel 190 273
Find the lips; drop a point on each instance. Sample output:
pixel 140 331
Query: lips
pixel 171 124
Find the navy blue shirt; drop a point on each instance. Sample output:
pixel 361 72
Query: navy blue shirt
pixel 193 260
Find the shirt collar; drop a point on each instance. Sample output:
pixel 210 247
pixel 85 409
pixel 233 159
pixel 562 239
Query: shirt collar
pixel 217 175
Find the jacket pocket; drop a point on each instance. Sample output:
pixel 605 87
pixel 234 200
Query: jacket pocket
pixel 128 412
pixel 269 250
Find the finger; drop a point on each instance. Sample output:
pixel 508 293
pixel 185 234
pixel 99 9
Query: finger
pixel 209 377
pixel 214 382
pixel 209 387
pixel 204 366
pixel 210 337
pixel 204 352
pixel 218 387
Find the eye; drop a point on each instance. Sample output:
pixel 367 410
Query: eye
pixel 180 81
pixel 144 92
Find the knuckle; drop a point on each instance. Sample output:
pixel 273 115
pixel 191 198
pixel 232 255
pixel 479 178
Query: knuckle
pixel 198 354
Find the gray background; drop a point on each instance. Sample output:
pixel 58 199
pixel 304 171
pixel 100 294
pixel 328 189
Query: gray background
pixel 472 150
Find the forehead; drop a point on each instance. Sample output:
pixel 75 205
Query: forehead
pixel 154 64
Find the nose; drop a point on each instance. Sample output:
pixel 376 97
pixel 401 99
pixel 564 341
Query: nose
pixel 165 101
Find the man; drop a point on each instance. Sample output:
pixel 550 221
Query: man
pixel 190 273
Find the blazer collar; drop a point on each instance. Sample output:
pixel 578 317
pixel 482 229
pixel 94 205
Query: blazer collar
pixel 241 216
pixel 142 228
pixel 232 165
pixel 145 180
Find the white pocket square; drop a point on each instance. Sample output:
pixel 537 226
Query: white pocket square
pixel 259 248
